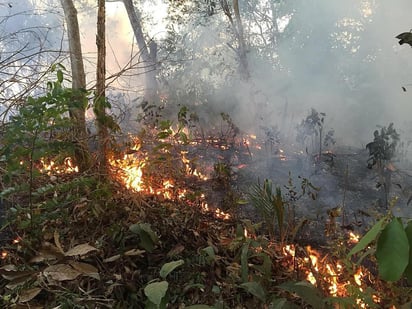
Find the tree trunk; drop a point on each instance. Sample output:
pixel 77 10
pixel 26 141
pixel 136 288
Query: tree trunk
pixel 147 51
pixel 100 96
pixel 78 108
pixel 238 30
pixel 244 66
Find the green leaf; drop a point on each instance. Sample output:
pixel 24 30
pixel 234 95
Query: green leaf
pixel 210 253
pixel 163 134
pixel 156 291
pixel 255 289
pixel 309 293
pixel 369 237
pixel 183 137
pixel 169 267
pixel 244 262
pixel 408 270
pixel 148 238
pixel 60 76
pixel 282 303
pixel 392 251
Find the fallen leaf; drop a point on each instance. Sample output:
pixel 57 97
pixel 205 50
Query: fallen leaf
pixel 18 282
pixel 86 269
pixel 61 272
pixel 176 250
pixel 134 252
pixel 12 275
pixel 80 250
pixel 112 258
pixel 29 294
pixel 47 252
pixel 57 241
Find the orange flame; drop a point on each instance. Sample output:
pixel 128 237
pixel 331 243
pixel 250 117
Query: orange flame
pixel 52 168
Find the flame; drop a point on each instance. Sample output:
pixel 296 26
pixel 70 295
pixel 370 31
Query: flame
pixel 289 250
pixel 50 167
pixel 353 238
pixel 4 255
pixel 358 277
pixel 130 171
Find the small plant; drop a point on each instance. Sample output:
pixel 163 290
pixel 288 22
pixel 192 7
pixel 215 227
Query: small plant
pixel 313 127
pixel 381 150
pixel 271 206
pixel 156 291
pixel 277 209
pixel 272 137
pixel 40 130
pixel 383 147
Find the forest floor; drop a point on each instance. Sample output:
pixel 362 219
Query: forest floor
pixel 113 247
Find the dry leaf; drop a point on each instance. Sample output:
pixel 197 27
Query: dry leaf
pixel 12 275
pixel 9 267
pixel 56 237
pixel 80 250
pixel 112 258
pixel 47 252
pixel 134 252
pixel 176 250
pixel 28 295
pixel 18 282
pixel 86 269
pixel 61 272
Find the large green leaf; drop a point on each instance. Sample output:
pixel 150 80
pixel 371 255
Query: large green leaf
pixel 309 293
pixel 244 261
pixel 282 303
pixel 408 270
pixel 148 238
pixel 369 237
pixel 156 291
pixel 255 289
pixel 392 251
pixel 169 267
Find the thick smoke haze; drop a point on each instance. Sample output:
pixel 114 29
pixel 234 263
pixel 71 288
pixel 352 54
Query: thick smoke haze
pixel 339 57
pixel 342 58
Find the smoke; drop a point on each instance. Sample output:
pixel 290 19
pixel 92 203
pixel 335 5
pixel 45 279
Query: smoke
pixel 339 57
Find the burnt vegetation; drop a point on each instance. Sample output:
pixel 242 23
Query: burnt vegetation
pixel 183 218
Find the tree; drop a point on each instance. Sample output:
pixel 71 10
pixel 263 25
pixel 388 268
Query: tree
pixel 148 51
pixel 100 102
pixel 79 101
pixel 237 27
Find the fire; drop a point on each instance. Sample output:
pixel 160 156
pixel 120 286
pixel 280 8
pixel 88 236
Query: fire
pixel 4 255
pixel 289 250
pixel 353 238
pixel 50 167
pixel 130 171
pixel 358 277
pixel 189 169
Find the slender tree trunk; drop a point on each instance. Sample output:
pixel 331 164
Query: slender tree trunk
pixel 244 65
pixel 147 51
pixel 78 108
pixel 100 96
pixel 237 27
